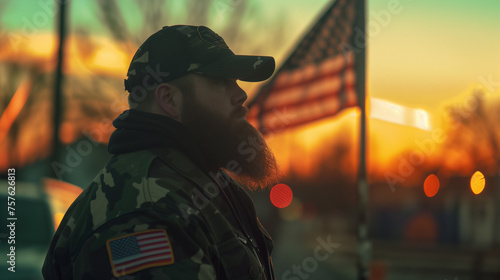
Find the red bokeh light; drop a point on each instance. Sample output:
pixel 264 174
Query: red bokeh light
pixel 281 195
pixel 431 185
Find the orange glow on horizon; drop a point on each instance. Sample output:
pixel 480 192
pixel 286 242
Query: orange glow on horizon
pixel 43 45
pixel 97 56
pixel 84 55
pixel 38 51
pixel 301 149
pixel 109 60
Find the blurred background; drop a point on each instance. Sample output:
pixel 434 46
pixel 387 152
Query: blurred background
pixel 433 106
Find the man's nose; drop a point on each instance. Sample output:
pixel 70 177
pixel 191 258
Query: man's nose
pixel 239 95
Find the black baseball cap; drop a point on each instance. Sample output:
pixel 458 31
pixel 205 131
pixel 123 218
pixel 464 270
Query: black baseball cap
pixel 177 50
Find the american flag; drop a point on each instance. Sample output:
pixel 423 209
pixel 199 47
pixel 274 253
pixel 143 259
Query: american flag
pixel 317 80
pixel 137 251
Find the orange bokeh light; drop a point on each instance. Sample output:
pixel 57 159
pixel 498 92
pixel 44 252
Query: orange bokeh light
pixel 431 185
pixel 281 195
pixel 15 106
pixel 477 182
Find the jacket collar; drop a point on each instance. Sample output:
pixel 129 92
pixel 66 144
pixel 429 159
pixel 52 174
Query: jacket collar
pixel 137 130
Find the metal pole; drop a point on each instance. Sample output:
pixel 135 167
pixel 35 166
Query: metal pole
pixel 364 246
pixel 58 95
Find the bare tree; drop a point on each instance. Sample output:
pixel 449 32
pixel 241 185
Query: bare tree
pixel 93 95
pixel 475 131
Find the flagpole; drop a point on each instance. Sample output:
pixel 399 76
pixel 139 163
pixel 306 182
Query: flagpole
pixel 355 46
pixel 364 245
pixel 58 85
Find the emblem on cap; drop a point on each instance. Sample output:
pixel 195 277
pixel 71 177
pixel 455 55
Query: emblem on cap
pixel 207 35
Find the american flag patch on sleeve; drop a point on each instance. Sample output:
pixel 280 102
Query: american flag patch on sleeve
pixel 137 251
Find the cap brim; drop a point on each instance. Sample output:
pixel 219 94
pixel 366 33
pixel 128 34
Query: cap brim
pixel 242 67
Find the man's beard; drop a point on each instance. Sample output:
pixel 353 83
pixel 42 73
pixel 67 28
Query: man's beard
pixel 232 144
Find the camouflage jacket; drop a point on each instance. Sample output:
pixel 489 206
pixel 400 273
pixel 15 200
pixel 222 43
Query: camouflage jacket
pixel 153 214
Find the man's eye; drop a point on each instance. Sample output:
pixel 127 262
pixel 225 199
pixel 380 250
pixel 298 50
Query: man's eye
pixel 221 81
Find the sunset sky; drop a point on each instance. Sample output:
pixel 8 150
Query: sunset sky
pixel 422 54
pixel 427 52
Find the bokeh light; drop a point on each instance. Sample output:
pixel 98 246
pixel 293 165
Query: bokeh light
pixel 431 185
pixel 281 195
pixel 293 212
pixel 310 212
pixel 477 182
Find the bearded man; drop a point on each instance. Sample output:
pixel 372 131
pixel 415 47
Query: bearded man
pixel 164 207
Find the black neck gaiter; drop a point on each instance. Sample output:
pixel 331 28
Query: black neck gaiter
pixel 137 130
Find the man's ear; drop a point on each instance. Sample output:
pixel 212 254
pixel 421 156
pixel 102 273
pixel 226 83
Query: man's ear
pixel 168 98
